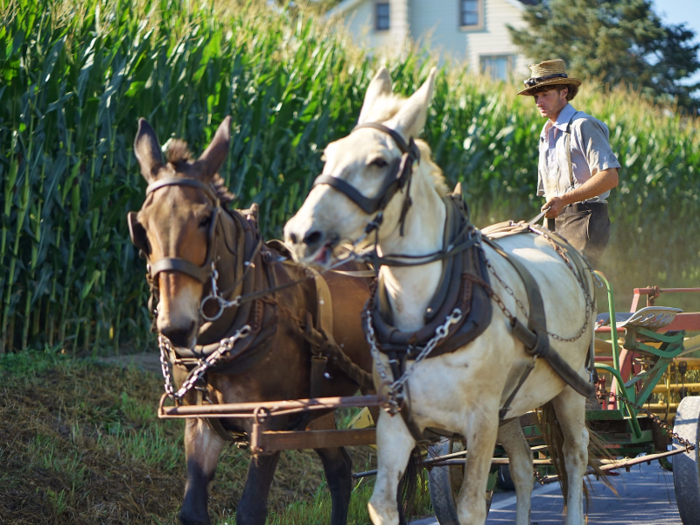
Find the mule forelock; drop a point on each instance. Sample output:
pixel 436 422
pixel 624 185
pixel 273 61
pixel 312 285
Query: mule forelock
pixel 178 152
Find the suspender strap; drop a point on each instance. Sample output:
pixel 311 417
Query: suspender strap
pixel 572 179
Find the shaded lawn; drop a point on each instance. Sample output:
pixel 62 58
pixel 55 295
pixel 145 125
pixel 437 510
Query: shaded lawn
pixel 80 443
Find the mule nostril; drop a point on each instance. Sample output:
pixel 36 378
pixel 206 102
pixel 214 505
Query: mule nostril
pixel 179 336
pixel 293 237
pixel 313 238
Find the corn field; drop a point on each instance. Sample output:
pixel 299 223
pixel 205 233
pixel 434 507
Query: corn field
pixel 75 76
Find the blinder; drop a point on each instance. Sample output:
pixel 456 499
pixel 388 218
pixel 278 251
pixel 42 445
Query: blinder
pixel 138 234
pixel 398 176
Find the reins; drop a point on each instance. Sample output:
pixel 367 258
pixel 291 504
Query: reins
pixel 208 270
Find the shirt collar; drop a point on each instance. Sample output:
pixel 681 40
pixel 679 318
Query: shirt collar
pixel 564 117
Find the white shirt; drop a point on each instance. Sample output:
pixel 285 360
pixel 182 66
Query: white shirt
pixel 590 153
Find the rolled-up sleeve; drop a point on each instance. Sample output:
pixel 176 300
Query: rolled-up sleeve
pixel 593 139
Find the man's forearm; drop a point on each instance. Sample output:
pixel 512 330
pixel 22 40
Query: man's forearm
pixel 600 183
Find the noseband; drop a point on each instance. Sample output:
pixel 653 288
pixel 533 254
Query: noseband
pixel 398 176
pixel 176 264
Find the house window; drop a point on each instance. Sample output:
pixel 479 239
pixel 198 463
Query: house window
pixel 470 13
pixel 499 67
pixel 382 17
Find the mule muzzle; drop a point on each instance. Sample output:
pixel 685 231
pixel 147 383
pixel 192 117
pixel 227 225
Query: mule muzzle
pixel 312 246
pixel 181 334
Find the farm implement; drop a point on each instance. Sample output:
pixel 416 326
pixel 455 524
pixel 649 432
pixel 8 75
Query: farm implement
pixel 644 361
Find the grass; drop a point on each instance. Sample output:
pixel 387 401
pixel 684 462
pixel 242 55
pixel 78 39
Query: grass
pixel 80 444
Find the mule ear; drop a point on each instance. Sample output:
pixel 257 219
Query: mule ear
pixel 380 86
pixel 410 119
pixel 215 154
pixel 147 151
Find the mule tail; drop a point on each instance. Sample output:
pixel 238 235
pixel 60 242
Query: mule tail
pixel 554 438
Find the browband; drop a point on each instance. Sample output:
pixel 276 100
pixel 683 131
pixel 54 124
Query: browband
pixel 175 181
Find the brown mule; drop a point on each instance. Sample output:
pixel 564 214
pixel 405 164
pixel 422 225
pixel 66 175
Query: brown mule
pixel 189 236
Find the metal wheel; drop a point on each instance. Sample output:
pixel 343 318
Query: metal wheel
pixel 444 483
pixel 504 480
pixel 686 474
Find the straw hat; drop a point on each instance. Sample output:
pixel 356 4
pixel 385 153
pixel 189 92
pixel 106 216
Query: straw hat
pixel 548 73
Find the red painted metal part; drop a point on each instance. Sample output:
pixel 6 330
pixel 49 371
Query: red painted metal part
pixel 684 321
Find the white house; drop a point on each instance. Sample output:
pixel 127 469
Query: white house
pixel 471 30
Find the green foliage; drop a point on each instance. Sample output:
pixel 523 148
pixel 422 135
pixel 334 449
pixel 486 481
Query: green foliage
pixel 616 42
pixel 77 74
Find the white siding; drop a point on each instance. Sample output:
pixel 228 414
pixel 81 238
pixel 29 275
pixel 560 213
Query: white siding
pixel 494 39
pixel 360 22
pixel 438 22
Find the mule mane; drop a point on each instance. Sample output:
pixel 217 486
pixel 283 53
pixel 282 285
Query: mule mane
pixel 429 167
pixel 179 153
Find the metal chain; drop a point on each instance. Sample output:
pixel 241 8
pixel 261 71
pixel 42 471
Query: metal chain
pixel 657 420
pixel 521 306
pixel 225 346
pixel 508 290
pixel 396 386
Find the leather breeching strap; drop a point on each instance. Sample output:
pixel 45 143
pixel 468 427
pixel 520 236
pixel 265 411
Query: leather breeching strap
pixel 534 336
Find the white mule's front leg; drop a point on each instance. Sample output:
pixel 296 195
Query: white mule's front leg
pixel 570 408
pixel 480 432
pixel 394 446
pixel 511 436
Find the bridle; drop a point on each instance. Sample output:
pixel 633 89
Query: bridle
pixel 207 271
pixel 398 176
pixel 137 232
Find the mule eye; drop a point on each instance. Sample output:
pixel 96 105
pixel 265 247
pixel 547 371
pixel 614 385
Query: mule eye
pixel 379 163
pixel 206 221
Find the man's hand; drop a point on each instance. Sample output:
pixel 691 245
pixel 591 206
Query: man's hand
pixel 556 205
pixel 599 183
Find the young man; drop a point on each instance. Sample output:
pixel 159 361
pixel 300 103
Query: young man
pixel 577 168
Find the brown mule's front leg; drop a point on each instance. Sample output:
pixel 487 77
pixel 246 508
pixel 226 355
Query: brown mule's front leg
pixel 202 449
pixel 252 508
pixel 337 466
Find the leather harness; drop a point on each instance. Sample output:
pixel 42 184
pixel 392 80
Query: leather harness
pixel 255 262
pixel 464 283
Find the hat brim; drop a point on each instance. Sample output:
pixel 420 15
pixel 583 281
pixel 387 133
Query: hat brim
pixel 552 81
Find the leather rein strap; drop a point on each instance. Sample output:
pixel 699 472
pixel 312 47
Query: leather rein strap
pixel 398 176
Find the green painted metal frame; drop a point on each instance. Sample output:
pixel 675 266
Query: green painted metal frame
pixel 671 346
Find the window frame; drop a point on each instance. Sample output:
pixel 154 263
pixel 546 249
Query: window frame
pixel 511 58
pixel 480 11
pixel 377 18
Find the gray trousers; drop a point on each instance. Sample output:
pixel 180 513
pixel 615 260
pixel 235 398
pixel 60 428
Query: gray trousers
pixel 586 226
